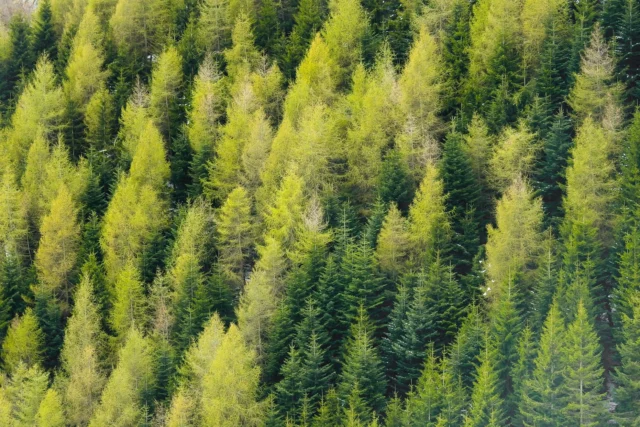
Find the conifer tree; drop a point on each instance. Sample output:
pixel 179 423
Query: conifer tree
pixel 58 250
pixel 628 375
pixel 130 385
pixel 513 157
pixel 230 385
pixel 308 19
pixel 50 412
pixel 467 348
pixel 362 367
pixel 541 401
pixel 429 227
pixel 344 34
pixel 38 111
pixel 81 356
pixel 512 248
pixel 19 61
pixel 487 407
pixel 235 235
pixel 595 86
pixel 165 93
pixel 25 391
pixel 44 38
pixel 583 401
pixel 128 301
pixel 393 243
pixel 24 343
pixel 463 201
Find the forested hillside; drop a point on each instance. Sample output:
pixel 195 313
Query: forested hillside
pixel 320 213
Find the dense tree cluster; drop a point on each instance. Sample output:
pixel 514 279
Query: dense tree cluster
pixel 320 213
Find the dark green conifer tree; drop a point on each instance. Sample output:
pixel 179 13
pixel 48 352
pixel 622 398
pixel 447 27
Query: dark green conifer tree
pixel 628 374
pixel 463 197
pixel 308 20
pixel 43 35
pixel 362 367
pixel 487 406
pixel 395 184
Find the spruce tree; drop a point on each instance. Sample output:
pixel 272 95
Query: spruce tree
pixel 362 368
pixel 628 375
pixel 44 38
pixel 581 393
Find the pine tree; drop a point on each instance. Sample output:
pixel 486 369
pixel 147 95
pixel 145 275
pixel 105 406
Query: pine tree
pixel 308 19
pixel 362 367
pixel 582 377
pixel 393 243
pixel 550 176
pixel 344 34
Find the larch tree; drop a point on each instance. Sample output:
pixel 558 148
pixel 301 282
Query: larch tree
pixel 51 412
pixel 130 385
pixel 514 245
pixel 235 233
pixel 514 156
pixel 429 227
pixel 82 357
pixel 24 343
pixel 595 85
pixel 39 111
pixel 58 249
pixel 25 391
pixel 13 220
pixel 393 243
pixel 129 303
pixel 421 87
pixel 165 92
pixel 344 33
pixel 230 386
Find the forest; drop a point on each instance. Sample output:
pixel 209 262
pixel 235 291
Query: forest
pixel 310 213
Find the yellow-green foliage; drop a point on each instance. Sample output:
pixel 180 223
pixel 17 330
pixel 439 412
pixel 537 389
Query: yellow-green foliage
pixel 129 303
pixel 90 30
pixel 284 216
pixel 50 413
pixel 13 216
pixel 80 356
pixel 46 172
pixel 344 32
pixel 393 242
pixel 242 58
pixel 590 180
pixel 57 252
pixel 121 403
pixel 537 17
pixel 230 386
pixel 515 243
pixel 214 28
pixel 256 151
pixel 479 147
pixel 207 106
pixel 513 156
pixel 149 166
pixel 26 390
pixel 24 342
pixel 134 120
pixel 39 111
pixel 374 122
pixel 429 227
pixel 595 86
pixel 235 234
pixel 165 86
pixel 84 74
